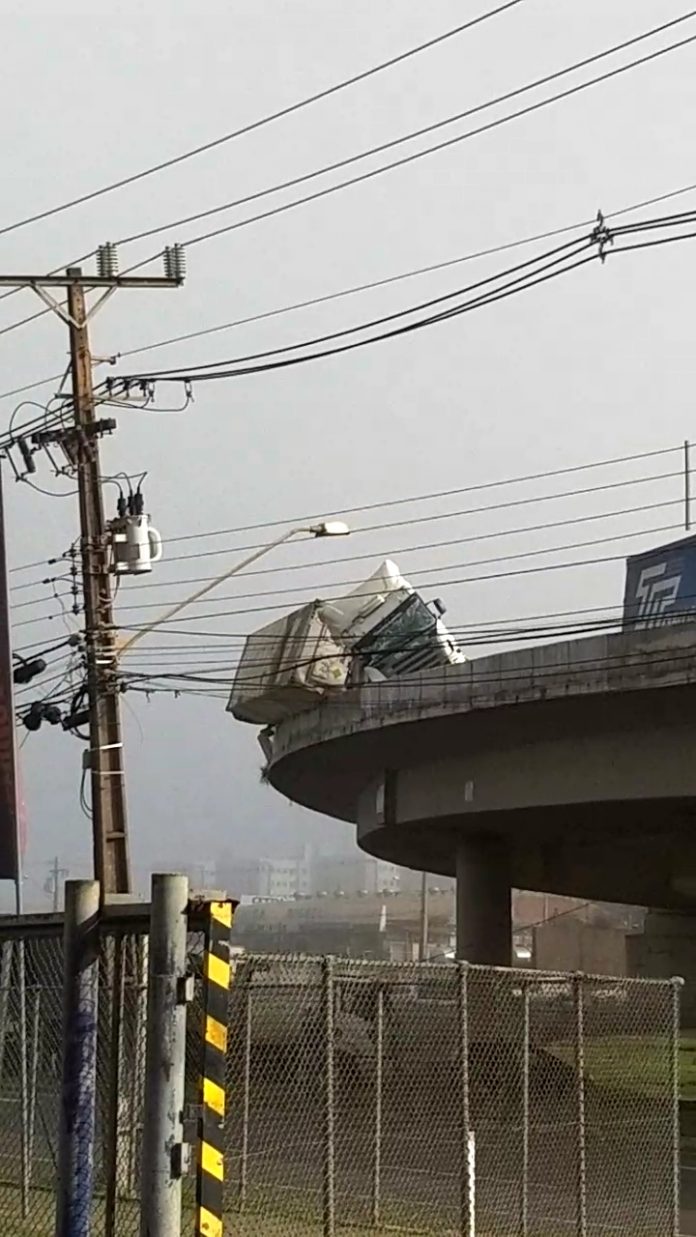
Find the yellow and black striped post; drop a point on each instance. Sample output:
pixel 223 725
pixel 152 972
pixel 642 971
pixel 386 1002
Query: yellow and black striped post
pixel 217 975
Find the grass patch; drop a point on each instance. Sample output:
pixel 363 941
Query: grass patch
pixel 638 1064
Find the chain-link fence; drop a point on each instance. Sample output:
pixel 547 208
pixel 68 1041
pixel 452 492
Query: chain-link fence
pixel 364 1097
pixel 31 1049
pixel 447 1099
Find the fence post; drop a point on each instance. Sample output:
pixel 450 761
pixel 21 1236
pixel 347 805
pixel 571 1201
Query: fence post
pixel 33 1075
pixel 581 1162
pixel 162 1148
pixel 467 1205
pixel 524 1201
pixel 217 975
pixel 677 985
pixel 246 1094
pixel 329 1192
pixel 379 1082
pixel 80 1006
pixel 138 963
pixel 114 969
pixel 21 956
pixel 5 981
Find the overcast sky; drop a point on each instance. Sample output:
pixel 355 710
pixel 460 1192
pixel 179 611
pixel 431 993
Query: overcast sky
pixel 598 364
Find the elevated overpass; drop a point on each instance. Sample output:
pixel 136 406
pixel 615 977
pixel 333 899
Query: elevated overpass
pixel 568 767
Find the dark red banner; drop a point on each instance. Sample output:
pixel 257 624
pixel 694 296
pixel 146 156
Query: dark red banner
pixel 9 799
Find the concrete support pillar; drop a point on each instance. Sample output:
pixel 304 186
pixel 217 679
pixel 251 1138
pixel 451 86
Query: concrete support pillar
pixel 484 920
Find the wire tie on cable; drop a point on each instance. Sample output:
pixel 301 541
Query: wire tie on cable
pixel 601 236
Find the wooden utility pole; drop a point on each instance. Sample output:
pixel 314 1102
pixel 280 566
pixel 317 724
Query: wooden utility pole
pixel 105 754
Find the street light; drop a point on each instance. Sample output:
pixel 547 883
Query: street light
pixel 327 528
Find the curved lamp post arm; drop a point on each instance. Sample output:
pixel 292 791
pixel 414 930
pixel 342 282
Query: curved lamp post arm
pixel 327 529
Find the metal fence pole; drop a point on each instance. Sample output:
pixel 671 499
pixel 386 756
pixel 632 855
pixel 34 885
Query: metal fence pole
pixel 581 1162
pixel 113 1139
pixel 246 1096
pixel 138 962
pixel 80 1006
pixel 21 956
pixel 677 985
pixel 467 1197
pixel 524 1200
pixel 33 1075
pixel 162 1152
pixel 5 980
pixel 329 1178
pixel 379 1073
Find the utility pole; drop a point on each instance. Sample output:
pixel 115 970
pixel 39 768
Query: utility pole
pixel 52 885
pixel 104 757
pixel 106 769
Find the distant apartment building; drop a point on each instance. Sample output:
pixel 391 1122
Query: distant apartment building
pixel 272 878
pixel 354 874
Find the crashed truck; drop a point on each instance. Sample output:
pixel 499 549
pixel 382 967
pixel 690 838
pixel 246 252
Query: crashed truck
pixel 382 630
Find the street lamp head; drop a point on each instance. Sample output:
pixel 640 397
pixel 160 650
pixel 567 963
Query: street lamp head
pixel 330 528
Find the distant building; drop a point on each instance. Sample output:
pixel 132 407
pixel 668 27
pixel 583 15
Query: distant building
pixel 271 878
pixel 354 874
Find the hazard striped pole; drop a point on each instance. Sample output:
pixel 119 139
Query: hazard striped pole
pixel 217 975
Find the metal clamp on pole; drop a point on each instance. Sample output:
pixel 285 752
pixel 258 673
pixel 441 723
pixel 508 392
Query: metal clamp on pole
pixel 163 1153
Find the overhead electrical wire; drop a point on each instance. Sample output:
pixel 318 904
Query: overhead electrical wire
pixel 407 159
pixel 514 287
pixel 420 497
pixel 466 628
pixel 421 572
pixel 379 283
pixel 402 161
pixel 427 678
pixel 507 504
pixel 410 549
pixel 345 292
pixel 260 122
pixel 370 152
pixel 430 496
pixel 559 253
pixel 469 579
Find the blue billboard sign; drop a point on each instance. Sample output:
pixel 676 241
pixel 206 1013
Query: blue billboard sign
pixel 661 586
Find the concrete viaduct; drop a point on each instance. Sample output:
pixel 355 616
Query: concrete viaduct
pixel 568 768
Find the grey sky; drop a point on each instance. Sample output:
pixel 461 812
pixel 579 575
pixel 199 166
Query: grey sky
pixel 598 364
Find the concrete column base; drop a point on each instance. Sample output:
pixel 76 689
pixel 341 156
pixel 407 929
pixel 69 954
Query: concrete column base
pixel 484 913
pixel 665 948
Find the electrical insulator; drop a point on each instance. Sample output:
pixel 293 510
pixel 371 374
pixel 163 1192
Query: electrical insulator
pixel 135 545
pixel 175 263
pixel 107 261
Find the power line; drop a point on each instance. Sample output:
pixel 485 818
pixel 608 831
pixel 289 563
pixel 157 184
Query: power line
pixel 472 579
pixel 424 571
pixel 433 149
pixel 197 636
pixel 380 283
pixel 515 286
pixel 428 678
pixel 260 123
pixel 418 132
pixel 377 283
pixel 508 504
pixel 431 496
pixel 400 551
pixel 558 254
